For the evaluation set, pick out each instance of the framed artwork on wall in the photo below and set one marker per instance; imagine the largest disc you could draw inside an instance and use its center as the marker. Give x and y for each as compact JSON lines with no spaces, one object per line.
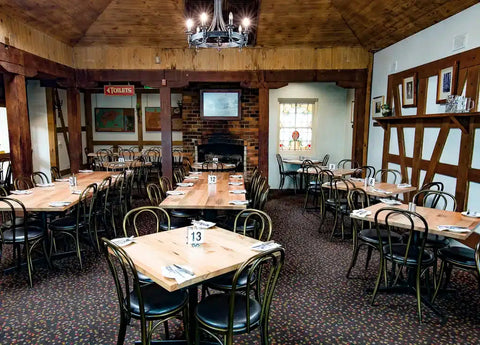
{"x":447,"y":83}
{"x":377,"y":105}
{"x":409,"y":91}
{"x":152,"y":119}
{"x":114,"y":120}
{"x":220,"y":104}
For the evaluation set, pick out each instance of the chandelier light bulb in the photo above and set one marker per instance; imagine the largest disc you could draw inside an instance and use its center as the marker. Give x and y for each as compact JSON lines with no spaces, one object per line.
{"x":240,"y":29}
{"x":189,"y":24}
{"x":203,"y":18}
{"x":246,"y":23}
{"x":230,"y":18}
{"x":198,"y":29}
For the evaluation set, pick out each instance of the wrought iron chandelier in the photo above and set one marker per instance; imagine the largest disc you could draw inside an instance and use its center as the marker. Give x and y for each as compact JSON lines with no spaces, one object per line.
{"x":218,"y":35}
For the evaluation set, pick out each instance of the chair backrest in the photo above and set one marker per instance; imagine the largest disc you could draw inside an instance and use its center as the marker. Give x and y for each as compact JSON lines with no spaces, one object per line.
{"x":103,"y":191}
{"x":177,"y":156}
{"x":39,"y":177}
{"x":86,"y":205}
{"x":165,"y":185}
{"x":212,"y":166}
{"x":280,"y":162}
{"x":187,"y":165}
{"x":341,"y":187}
{"x":259,"y":193}
{"x":477,"y":256}
{"x":357,"y":199}
{"x":154,"y":194}
{"x":15,"y":210}
{"x":325,"y":160}
{"x":365,"y":171}
{"x":347,"y":164}
{"x":55,"y":172}
{"x":104,"y":155}
{"x":435,"y":199}
{"x":22,"y":183}
{"x":146,"y":216}
{"x":5,"y":172}
{"x":262,"y":223}
{"x":125,"y":276}
{"x":127,"y":154}
{"x":3,"y":191}
{"x":388,"y":175}
{"x":178,"y":175}
{"x":433,"y":186}
{"x":265,"y":268}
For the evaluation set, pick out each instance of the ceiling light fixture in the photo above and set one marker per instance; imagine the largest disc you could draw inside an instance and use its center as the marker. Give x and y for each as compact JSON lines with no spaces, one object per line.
{"x":218,"y":35}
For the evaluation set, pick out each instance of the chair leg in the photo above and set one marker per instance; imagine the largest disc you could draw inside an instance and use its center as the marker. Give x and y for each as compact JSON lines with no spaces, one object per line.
{"x":439,"y":281}
{"x":418,"y":292}
{"x":167,"y":332}
{"x":354,"y":258}
{"x":122,"y":330}
{"x":79,"y":253}
{"x":369,"y":256}
{"x":334,"y":224}
{"x":377,"y":283}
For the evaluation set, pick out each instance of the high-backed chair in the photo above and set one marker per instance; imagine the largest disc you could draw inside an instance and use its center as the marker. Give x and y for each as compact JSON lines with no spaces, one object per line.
{"x":389,"y":175}
{"x":55,"y":172}
{"x":292,"y":174}
{"x":347,"y":164}
{"x":39,"y":177}
{"x":22,"y":183}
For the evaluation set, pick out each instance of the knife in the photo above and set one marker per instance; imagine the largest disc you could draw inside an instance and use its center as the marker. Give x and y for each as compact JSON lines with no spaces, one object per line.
{"x":184,"y":270}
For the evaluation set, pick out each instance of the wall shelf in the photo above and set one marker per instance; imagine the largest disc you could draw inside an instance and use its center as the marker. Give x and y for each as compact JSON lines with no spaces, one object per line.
{"x":460,"y":120}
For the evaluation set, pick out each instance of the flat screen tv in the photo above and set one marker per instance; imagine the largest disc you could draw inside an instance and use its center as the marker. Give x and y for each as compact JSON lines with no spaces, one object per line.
{"x":220,"y":104}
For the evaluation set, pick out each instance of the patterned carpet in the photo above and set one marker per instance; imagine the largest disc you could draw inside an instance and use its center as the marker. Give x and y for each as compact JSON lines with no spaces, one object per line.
{"x":314,"y":304}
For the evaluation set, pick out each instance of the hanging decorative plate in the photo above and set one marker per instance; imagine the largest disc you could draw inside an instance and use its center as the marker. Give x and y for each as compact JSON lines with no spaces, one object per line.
{"x":295,"y":135}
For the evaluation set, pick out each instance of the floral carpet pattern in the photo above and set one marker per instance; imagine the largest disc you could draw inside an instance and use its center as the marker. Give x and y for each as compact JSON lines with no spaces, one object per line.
{"x":314,"y":304}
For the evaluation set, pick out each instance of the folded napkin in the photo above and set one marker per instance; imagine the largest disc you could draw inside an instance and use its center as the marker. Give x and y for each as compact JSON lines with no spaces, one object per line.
{"x":473,"y":214}
{"x":77,"y":191}
{"x":228,"y":165}
{"x":238,"y":191}
{"x":236,"y":176}
{"x":358,"y":179}
{"x":180,"y":273}
{"x":238,"y":202}
{"x":203,"y":224}
{"x":45,"y":184}
{"x":195,"y":172}
{"x":361,"y":213}
{"x":264,"y":246}
{"x":191,"y":177}
{"x":404,"y":185}
{"x":62,"y":180}
{"x":390,"y":201}
{"x":21,"y":192}
{"x":123,"y":241}
{"x":85,"y":171}
{"x":59,"y":203}
{"x":235,"y":183}
{"x":381,"y":191}
{"x":183,"y":184}
{"x":453,"y":228}
{"x":175,"y":192}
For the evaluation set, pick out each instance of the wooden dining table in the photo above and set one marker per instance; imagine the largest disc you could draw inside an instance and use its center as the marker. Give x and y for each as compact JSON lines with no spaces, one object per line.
{"x":381,"y":189}
{"x":214,"y":166}
{"x":300,"y":161}
{"x":204,"y":195}
{"x":223,"y":251}
{"x":336,"y":172}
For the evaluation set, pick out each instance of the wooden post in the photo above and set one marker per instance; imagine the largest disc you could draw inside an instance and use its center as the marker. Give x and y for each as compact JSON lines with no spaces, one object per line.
{"x":52,"y":128}
{"x":87,"y":100}
{"x":166,"y":124}
{"x":18,"y":124}
{"x":74,"y":129}
{"x":263,"y":109}
{"x":360,"y":128}
{"x":139,"y":120}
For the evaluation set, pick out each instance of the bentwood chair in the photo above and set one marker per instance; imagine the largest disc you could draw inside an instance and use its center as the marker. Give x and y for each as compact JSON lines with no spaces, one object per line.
{"x":325,"y":160}
{"x":339,"y":203}
{"x":39,"y":177}
{"x":292,"y":174}
{"x":55,"y":172}
{"x":364,"y":235}
{"x":388,"y":175}
{"x":17,"y":230}
{"x":154,"y":194}
{"x":149,"y":303}
{"x":347,"y":164}
{"x":409,"y":255}
{"x":240,"y":311}
{"x":77,"y":223}
{"x":314,"y":187}
{"x":22,"y":183}
{"x":365,"y":171}
{"x":5,"y":173}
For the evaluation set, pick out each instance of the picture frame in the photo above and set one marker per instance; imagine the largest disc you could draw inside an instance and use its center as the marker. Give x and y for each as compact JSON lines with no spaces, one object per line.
{"x":377,"y":103}
{"x":446,"y":83}
{"x":220,"y":104}
{"x":114,"y":119}
{"x":409,"y":91}
{"x":152,"y":120}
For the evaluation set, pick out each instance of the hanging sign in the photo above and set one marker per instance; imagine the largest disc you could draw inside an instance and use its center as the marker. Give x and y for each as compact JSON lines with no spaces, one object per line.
{"x":119,"y":90}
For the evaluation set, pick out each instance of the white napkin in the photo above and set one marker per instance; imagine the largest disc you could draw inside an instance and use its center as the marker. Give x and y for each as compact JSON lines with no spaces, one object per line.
{"x":390,"y":201}
{"x":361,"y":213}
{"x":469,"y":213}
{"x":453,"y":228}
{"x":45,"y":184}
{"x":175,"y":192}
{"x":85,"y":171}
{"x":187,"y":184}
{"x":238,"y":202}
{"x":235,"y":183}
{"x":123,"y":241}
{"x":179,"y":274}
{"x":203,"y":224}
{"x":195,"y":172}
{"x":404,"y":185}
{"x":381,"y":191}
{"x":357,"y":179}
{"x":191,"y":178}
{"x":62,"y":180}
{"x":21,"y":192}
{"x":238,"y":191}
{"x":236,"y":176}
{"x":77,"y":191}
{"x":59,"y":203}
{"x":264,"y":246}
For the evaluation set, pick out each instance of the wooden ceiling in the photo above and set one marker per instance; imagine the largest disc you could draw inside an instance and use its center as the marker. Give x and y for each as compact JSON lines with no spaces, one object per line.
{"x":372,"y":24}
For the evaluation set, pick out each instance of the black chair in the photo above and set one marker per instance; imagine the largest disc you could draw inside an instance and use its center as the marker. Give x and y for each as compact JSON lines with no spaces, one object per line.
{"x":5,"y":173}
{"x":410,"y":255}
{"x":180,"y":217}
{"x":39,"y":177}
{"x":22,"y":183}
{"x":212,"y":166}
{"x":55,"y":172}
{"x":347,"y":164}
{"x":325,"y":159}
{"x":365,"y":171}
{"x":103,"y":211}
{"x":338,"y":203}
{"x":314,"y":187}
{"x":364,"y":235}
{"x":238,"y":311}
{"x":385,"y":174}
{"x":149,"y":303}
{"x":292,"y":174}
{"x":17,"y":230}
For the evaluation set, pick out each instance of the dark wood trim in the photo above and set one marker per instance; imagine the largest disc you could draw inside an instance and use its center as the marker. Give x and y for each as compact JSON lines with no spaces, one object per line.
{"x":65,"y":129}
{"x":4,"y":155}
{"x":87,"y":100}
{"x":139,"y":120}
{"x":52,"y":128}
{"x":166,"y":124}
{"x":132,"y":142}
{"x":360,"y":126}
{"x":263,"y":124}
{"x":74,"y":129}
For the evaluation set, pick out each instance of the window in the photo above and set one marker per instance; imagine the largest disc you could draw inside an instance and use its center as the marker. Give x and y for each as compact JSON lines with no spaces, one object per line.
{"x":296,"y":116}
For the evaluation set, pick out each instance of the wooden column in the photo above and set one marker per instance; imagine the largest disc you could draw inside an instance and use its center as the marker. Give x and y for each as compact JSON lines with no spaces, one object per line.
{"x":166,"y":124}
{"x":361,"y":120}
{"x":263,"y":108}
{"x":87,"y":100}
{"x":18,"y":124}
{"x":52,"y":128}
{"x":74,"y":129}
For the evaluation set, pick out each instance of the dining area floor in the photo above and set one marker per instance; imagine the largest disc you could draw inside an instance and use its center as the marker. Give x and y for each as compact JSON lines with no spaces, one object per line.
{"x":314,"y":302}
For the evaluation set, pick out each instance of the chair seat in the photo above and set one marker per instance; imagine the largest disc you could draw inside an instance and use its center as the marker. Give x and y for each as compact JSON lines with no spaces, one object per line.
{"x":399,"y":251}
{"x":290,"y":173}
{"x":371,"y":236}
{"x":19,"y":221}
{"x":65,"y":224}
{"x":183,"y":213}
{"x":175,"y":223}
{"x":33,"y":233}
{"x":458,"y":255}
{"x":214,"y":309}
{"x":224,"y":282}
{"x":436,"y":241}
{"x":230,"y":222}
{"x":143,"y":278}
{"x":157,"y":300}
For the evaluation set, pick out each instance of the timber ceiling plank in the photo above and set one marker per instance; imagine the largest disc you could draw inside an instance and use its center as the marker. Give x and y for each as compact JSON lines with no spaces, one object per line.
{"x":313,"y":23}
{"x":65,"y":20}
{"x":380,"y":23}
{"x":139,"y":23}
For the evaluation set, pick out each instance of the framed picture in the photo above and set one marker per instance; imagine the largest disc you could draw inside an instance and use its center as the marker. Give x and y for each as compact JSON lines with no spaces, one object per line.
{"x":220,"y":104}
{"x":447,"y":82}
{"x":377,"y":105}
{"x":152,"y":120}
{"x":114,"y":120}
{"x":409,"y":91}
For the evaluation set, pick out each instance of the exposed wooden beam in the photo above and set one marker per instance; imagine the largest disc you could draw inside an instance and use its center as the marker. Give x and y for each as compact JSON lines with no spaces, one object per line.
{"x":263,"y":110}
{"x":87,"y":99}
{"x":139,"y":121}
{"x":52,"y":128}
{"x":166,"y":124}
{"x":74,"y":129}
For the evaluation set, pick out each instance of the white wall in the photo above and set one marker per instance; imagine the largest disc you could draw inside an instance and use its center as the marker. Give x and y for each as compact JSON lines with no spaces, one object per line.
{"x":331,"y":123}
{"x":4,"y":141}
{"x":431,"y":44}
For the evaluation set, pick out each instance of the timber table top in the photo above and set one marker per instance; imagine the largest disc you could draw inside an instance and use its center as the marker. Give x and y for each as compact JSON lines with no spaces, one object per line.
{"x":41,"y":196}
{"x":207,"y":196}
{"x":433,"y":217}
{"x":123,"y":165}
{"x":223,"y":251}
{"x":300,"y":161}
{"x":336,"y":172}
{"x":381,"y":189}
{"x":226,"y":166}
